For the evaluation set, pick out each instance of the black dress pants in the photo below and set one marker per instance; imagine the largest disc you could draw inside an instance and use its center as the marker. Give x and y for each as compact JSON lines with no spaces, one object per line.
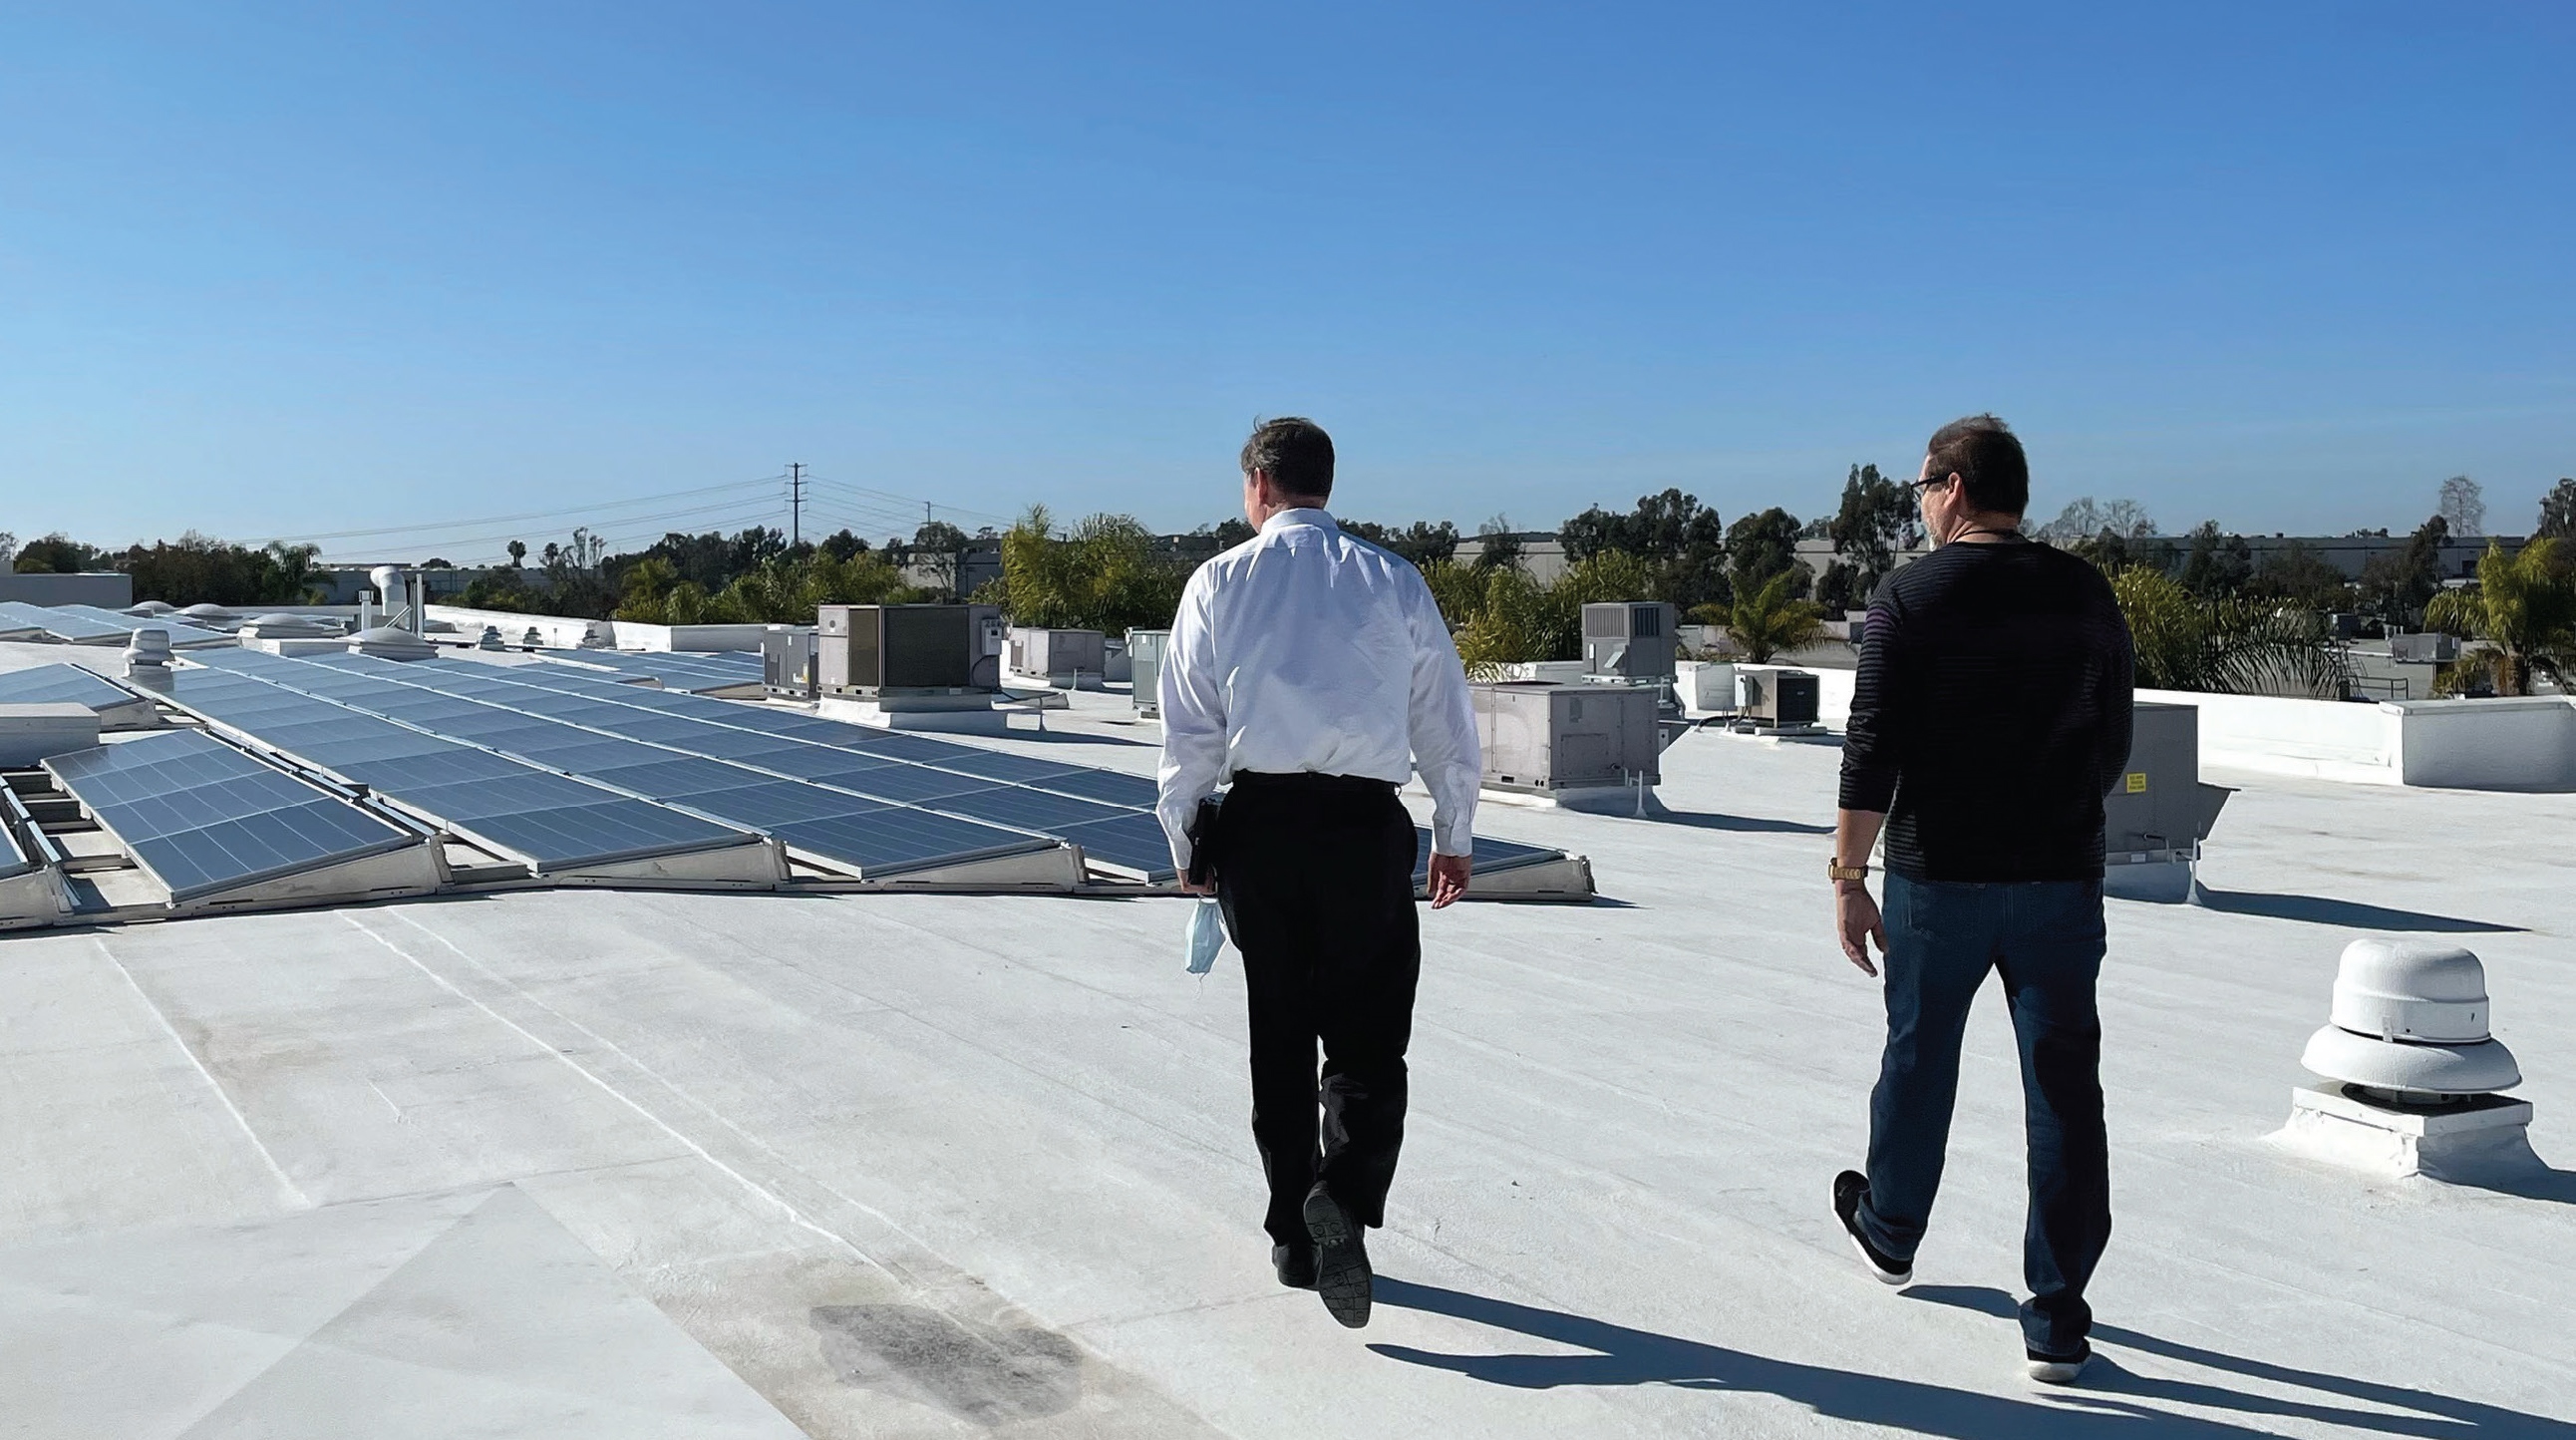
{"x":1316,"y":876}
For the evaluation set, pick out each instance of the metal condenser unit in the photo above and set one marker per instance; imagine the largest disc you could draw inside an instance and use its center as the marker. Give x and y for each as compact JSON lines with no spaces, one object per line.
{"x":1631,"y":639}
{"x":1546,"y":738}
{"x":1145,"y":650}
{"x":2159,"y":810}
{"x":870,"y":651}
{"x":787,"y":662}
{"x":1777,"y":697}
{"x":1059,"y":655}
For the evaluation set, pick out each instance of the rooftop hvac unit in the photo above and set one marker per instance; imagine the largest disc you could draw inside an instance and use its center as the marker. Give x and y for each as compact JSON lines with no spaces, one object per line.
{"x":1549,"y":738}
{"x":2159,"y":811}
{"x":2423,"y":649}
{"x":1062,"y":656}
{"x":1776,"y":696}
{"x":1630,"y":639}
{"x":1145,"y":651}
{"x":787,"y":662}
{"x":871,"y":651}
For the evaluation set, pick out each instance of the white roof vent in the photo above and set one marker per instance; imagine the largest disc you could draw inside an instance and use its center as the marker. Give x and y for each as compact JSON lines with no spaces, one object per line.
{"x":207,"y":612}
{"x":2410,"y":1022}
{"x":147,"y":647}
{"x":491,"y":638}
{"x":2413,"y":1071}
{"x":388,"y":642}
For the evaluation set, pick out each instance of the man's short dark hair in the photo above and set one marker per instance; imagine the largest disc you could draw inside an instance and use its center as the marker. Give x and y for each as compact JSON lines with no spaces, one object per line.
{"x":1295,"y":453}
{"x":1983,"y":453}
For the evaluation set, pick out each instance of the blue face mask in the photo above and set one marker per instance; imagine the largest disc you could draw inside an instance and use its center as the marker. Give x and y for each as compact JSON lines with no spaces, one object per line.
{"x":1206,"y":935}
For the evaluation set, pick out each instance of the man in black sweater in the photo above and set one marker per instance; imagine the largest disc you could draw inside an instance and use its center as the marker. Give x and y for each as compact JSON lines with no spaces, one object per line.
{"x":1990,"y":716}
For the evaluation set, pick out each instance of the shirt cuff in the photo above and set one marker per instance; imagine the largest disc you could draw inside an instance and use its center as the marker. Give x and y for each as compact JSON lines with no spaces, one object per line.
{"x":1453,"y":837}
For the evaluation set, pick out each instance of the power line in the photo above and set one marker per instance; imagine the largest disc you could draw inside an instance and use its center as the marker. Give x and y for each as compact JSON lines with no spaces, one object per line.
{"x":482,"y":520}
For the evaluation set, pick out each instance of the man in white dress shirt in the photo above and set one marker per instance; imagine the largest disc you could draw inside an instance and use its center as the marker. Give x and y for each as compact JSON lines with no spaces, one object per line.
{"x":1313,"y":672}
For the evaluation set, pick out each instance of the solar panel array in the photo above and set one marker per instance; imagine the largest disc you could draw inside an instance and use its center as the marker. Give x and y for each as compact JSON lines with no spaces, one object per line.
{"x":527,"y":710}
{"x":63,"y":685}
{"x":677,"y":669}
{"x":181,"y":631}
{"x":1106,"y":813}
{"x":724,"y":777}
{"x":76,"y":623}
{"x":204,"y":818}
{"x":556,"y":822}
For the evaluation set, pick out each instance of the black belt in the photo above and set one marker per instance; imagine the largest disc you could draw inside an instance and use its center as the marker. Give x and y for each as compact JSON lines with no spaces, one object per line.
{"x":1316,"y":781}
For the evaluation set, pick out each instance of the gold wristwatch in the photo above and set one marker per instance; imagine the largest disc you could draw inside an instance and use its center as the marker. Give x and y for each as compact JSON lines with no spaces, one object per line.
{"x":1837,"y":870}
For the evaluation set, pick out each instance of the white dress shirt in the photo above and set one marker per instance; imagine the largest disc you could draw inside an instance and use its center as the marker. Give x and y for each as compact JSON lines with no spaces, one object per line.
{"x":1305,"y":649}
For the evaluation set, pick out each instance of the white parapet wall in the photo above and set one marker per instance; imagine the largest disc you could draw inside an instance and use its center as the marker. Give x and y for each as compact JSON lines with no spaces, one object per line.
{"x":2516,"y":744}
{"x":559,"y":632}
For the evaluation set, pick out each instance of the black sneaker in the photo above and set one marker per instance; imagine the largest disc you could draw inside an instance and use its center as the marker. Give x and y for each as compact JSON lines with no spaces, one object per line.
{"x":1850,"y":1188}
{"x":2057,"y":1369}
{"x":1295,"y":1264}
{"x":1341,"y":1259}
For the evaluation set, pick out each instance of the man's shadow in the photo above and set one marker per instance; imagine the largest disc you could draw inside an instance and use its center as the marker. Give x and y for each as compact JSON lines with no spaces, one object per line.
{"x":2104,"y":1406}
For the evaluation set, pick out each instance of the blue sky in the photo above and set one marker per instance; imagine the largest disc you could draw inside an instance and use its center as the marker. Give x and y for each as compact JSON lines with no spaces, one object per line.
{"x":276,"y":271}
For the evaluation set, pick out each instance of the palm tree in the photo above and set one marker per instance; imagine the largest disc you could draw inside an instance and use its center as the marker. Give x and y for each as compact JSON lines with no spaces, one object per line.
{"x":1767,"y":622}
{"x":2524,"y":607}
{"x":2226,"y":644}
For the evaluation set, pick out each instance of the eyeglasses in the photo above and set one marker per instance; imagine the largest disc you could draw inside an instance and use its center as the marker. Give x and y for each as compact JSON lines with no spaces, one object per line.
{"x":1922,"y":484}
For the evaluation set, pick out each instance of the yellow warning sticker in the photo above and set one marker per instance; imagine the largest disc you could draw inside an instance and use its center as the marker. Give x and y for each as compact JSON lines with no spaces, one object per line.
{"x":2137,"y":782}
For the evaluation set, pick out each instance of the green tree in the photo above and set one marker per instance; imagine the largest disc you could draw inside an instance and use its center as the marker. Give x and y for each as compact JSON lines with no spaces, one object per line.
{"x":1865,"y":533}
{"x":1420,"y":542}
{"x":2558,"y":512}
{"x":2295,"y":574}
{"x":2397,"y":585}
{"x":1514,"y":619}
{"x":1500,"y":544}
{"x":518,"y":553}
{"x":59,"y":554}
{"x":2524,"y":607}
{"x":1770,"y":621}
{"x":2216,"y":563}
{"x":2226,"y":643}
{"x":941,"y":549}
{"x":1761,"y":546}
{"x":1108,"y":574}
{"x":1682,"y":541}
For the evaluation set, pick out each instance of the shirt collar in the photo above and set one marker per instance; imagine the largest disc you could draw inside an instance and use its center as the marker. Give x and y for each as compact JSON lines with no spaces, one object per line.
{"x":1320,"y":519}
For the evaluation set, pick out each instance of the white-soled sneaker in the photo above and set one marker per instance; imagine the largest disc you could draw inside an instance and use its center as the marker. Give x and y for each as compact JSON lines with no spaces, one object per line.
{"x":2056,"y":1369}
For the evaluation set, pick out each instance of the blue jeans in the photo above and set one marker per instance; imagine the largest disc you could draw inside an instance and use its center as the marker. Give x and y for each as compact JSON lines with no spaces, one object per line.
{"x":2045,"y":938}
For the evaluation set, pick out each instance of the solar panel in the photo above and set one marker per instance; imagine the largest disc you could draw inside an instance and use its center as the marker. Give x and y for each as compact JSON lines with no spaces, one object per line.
{"x":73,"y":628}
{"x":557,"y":822}
{"x":77,"y":623}
{"x":675,"y":669}
{"x":204,"y":818}
{"x":63,"y":685}
{"x":180,"y":631}
{"x":14,"y":859}
{"x":873,"y":833}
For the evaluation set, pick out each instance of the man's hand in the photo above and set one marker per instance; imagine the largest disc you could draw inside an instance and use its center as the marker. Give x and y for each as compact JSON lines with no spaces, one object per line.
{"x":1448,"y":879}
{"x":1203,"y":887}
{"x":1856,"y":921}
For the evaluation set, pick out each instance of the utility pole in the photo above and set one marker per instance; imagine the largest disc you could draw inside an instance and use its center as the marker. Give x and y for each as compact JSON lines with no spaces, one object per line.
{"x":795,"y":503}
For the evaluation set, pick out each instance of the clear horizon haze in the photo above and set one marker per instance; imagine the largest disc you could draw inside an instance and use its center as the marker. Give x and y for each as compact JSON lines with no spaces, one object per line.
{"x":415,"y":283}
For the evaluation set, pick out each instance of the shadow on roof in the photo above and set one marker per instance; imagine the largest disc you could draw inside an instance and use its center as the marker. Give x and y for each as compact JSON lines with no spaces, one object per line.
{"x":1622,"y":1356}
{"x":2427,"y":1414}
{"x":1743,"y":824}
{"x":2350,"y":914}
